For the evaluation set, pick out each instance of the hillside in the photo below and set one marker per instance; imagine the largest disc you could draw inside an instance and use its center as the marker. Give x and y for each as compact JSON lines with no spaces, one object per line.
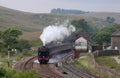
{"x":31,"y":22}
{"x":103,"y":15}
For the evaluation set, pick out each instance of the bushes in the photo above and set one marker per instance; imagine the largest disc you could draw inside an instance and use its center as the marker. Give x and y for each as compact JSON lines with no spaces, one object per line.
{"x":2,"y":72}
{"x":26,"y":74}
{"x":21,"y":45}
{"x":13,"y":74}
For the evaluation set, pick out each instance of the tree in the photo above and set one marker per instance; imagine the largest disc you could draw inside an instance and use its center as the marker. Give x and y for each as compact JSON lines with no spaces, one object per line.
{"x":22,"y":44}
{"x":110,"y":20}
{"x":104,"y":35}
{"x":81,"y":25}
{"x":10,"y":36}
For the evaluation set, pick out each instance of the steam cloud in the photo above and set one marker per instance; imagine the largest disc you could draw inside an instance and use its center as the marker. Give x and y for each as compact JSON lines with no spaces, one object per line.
{"x":56,"y":33}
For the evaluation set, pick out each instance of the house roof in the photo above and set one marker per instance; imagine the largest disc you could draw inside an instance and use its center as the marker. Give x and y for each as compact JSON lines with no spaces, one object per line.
{"x":116,"y":33}
{"x":80,"y":37}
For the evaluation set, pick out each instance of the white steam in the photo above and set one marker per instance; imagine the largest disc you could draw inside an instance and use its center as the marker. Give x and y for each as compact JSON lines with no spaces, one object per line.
{"x":56,"y":33}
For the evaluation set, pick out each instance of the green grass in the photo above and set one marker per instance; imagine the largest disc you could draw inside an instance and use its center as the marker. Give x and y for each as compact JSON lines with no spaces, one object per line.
{"x":119,"y":57}
{"x":14,"y":74}
{"x":36,"y":42}
{"x":86,"y":63}
{"x":18,"y":57}
{"x":29,"y":29}
{"x":108,"y":61}
{"x":9,"y":73}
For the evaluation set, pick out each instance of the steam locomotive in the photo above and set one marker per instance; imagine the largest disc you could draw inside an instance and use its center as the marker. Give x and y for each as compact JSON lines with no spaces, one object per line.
{"x":45,"y":52}
{"x":43,"y":55}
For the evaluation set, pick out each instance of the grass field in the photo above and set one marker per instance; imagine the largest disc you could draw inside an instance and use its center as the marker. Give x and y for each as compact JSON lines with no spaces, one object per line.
{"x":31,"y":36}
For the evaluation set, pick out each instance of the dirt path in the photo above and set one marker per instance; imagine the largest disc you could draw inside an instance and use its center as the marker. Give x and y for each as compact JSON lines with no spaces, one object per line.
{"x":116,"y":59}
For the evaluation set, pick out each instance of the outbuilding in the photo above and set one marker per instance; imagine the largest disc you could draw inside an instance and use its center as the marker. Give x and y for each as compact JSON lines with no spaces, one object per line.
{"x":115,"y":40}
{"x":80,"y":45}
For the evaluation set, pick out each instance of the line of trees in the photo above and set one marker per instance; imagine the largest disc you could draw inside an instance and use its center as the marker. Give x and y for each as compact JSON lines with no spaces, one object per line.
{"x":65,"y":11}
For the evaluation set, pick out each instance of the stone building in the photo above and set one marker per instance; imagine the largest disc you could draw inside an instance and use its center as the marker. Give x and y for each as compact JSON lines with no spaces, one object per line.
{"x":115,"y":40}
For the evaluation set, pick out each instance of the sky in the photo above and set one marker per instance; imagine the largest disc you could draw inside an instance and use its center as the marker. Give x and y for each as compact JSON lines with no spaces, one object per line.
{"x":44,"y":6}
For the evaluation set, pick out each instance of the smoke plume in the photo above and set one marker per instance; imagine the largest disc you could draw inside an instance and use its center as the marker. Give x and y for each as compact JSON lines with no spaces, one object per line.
{"x":56,"y":33}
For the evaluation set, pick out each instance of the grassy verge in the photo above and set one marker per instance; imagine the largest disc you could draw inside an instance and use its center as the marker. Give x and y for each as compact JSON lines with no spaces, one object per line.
{"x":108,"y":61}
{"x":9,"y":73}
{"x":19,"y":56}
{"x":86,"y":63}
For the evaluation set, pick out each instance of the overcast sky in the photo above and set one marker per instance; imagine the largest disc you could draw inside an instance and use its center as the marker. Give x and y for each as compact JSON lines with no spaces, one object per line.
{"x":44,"y":6}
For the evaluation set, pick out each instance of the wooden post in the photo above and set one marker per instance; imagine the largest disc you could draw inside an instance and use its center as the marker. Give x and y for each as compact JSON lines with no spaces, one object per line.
{"x":77,"y":54}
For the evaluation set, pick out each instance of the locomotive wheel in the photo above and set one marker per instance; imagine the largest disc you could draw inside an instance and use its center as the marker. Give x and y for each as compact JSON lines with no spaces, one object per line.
{"x":46,"y":62}
{"x":41,"y":62}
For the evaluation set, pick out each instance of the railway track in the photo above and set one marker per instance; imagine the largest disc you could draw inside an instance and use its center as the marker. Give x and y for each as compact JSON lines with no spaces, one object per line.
{"x":25,"y":64}
{"x":78,"y":72}
{"x":29,"y":63}
{"x":45,"y":71}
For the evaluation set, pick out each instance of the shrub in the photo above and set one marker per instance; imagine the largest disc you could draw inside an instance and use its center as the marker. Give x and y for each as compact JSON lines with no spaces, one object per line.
{"x":2,"y":73}
{"x":26,"y":74}
{"x":13,"y":74}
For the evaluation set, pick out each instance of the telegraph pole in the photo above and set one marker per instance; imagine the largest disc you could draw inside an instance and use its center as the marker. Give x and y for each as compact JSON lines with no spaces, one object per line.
{"x":9,"y":49}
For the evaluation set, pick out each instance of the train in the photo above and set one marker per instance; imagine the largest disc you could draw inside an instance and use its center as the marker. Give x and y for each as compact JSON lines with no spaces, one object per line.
{"x":46,"y":52}
{"x":43,"y":55}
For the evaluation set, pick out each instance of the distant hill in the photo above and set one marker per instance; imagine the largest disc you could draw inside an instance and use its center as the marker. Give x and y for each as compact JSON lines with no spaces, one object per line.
{"x":66,"y":11}
{"x":35,"y":22}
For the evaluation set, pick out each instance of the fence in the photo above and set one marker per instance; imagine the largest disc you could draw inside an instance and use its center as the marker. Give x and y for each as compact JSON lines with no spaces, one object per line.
{"x":106,"y":52}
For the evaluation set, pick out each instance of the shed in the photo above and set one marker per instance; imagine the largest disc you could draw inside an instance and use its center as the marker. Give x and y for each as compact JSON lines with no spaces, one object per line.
{"x":80,"y":45}
{"x":115,"y":40}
